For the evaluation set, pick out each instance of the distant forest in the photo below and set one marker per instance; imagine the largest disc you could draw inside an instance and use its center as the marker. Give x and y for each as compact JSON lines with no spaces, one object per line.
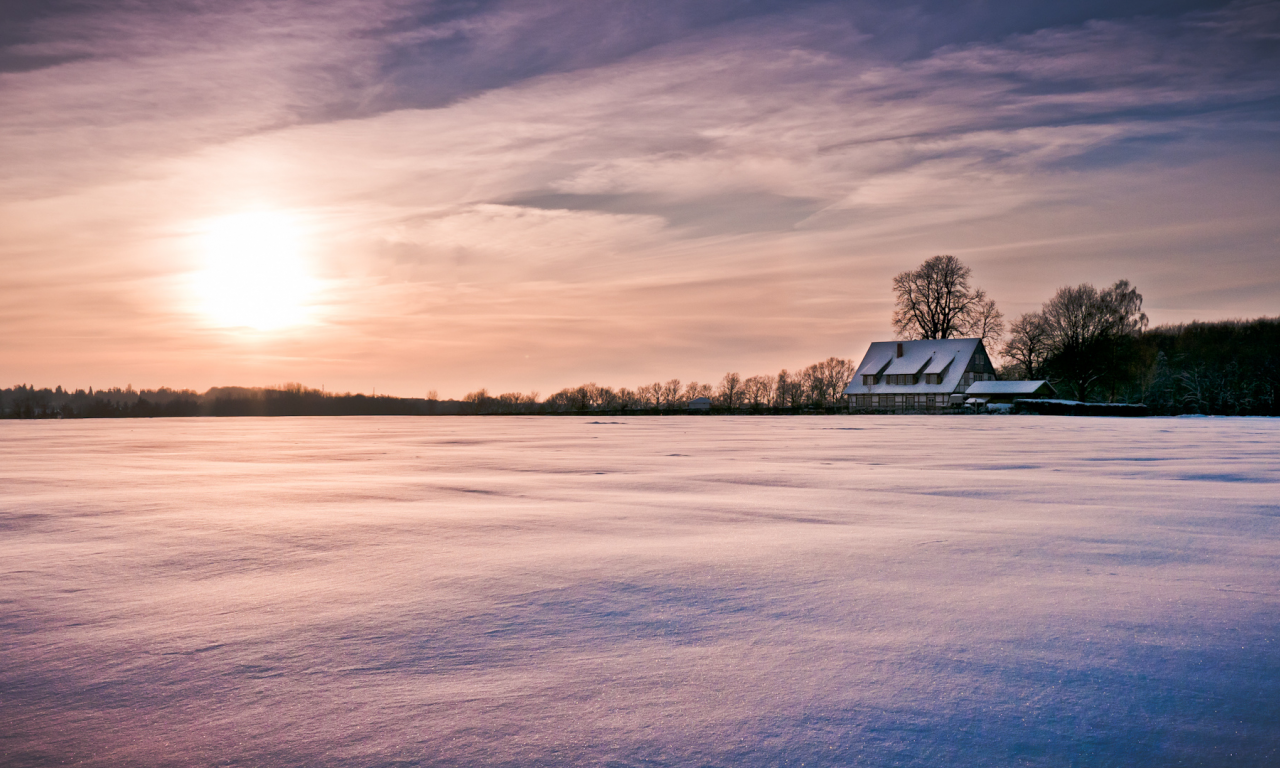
{"x":23,"y":402}
{"x":816,"y":388}
{"x":1225,"y":368}
{"x":1229,"y":368}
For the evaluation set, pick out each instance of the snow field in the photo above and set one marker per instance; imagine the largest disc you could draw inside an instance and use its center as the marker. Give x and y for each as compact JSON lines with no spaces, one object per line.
{"x":640,"y":591}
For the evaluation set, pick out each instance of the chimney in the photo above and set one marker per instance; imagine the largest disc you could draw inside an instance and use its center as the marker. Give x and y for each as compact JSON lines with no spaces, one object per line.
{"x":899,"y":349}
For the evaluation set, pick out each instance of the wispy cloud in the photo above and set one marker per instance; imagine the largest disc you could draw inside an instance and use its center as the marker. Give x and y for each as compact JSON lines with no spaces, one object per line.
{"x":714,"y":189}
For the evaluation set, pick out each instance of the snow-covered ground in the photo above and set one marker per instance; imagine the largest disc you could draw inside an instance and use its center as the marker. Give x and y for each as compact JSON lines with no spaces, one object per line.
{"x":684,"y":591}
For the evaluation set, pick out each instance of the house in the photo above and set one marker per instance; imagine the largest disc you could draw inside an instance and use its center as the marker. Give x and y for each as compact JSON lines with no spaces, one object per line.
{"x":700,"y":404}
{"x":1005,"y":392}
{"x":929,"y":375}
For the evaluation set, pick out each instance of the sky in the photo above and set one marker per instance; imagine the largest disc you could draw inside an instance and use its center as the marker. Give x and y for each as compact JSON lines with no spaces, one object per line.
{"x":411,"y":196}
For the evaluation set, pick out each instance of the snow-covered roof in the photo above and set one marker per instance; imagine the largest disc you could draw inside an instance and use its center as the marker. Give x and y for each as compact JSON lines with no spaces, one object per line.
{"x":918,"y":357}
{"x":1006,"y":387}
{"x":939,"y":364}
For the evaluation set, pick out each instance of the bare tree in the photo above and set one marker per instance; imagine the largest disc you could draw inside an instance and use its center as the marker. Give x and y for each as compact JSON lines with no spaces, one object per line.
{"x":987,"y":323}
{"x":671,"y":394}
{"x":823,"y":383}
{"x":789,"y":391}
{"x":586,"y":396}
{"x":604,"y":398}
{"x":935,"y":301}
{"x":812,"y":391}
{"x":730,"y":390}
{"x":1029,"y":345}
{"x":477,"y":402}
{"x":515,"y":402}
{"x":628,"y":399}
{"x":757,"y":391}
{"x":1077,"y":317}
{"x":695,"y":390}
{"x":558,"y":402}
{"x":829,"y":378}
{"x":1125,"y":304}
{"x":1085,"y":328}
{"x":650,"y":395}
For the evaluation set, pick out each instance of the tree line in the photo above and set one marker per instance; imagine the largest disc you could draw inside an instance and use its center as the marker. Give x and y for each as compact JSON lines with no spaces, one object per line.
{"x":815,"y":388}
{"x":818,"y":387}
{"x":1086,"y":343}
{"x":1095,"y":345}
{"x":26,"y":402}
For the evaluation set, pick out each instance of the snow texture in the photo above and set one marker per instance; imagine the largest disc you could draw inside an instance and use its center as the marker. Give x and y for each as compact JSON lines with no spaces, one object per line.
{"x":674,"y":591}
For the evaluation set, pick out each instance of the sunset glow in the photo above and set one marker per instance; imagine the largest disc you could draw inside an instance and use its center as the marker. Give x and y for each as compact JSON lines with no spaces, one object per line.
{"x":255,"y":274}
{"x":533,"y":194}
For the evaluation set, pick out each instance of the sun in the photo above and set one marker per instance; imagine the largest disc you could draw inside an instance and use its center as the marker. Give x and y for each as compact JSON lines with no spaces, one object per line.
{"x":254,"y":272}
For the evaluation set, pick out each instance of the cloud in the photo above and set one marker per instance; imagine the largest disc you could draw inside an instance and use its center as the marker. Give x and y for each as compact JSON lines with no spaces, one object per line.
{"x":711,"y":188}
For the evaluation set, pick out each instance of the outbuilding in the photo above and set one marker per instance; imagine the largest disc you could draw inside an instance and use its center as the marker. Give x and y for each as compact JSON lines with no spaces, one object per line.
{"x":700,"y":404}
{"x":1005,"y":392}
